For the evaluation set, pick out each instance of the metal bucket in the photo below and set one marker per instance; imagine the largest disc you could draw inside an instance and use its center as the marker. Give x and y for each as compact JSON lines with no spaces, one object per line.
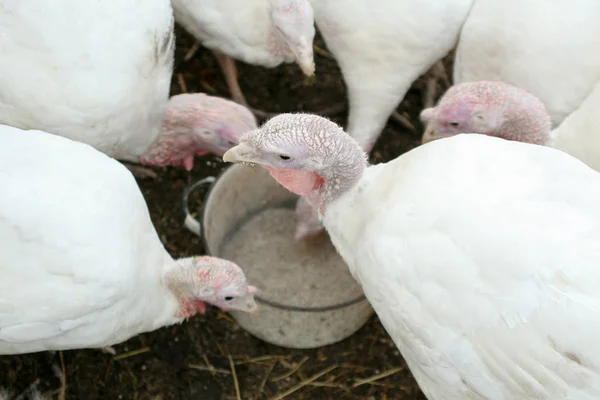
{"x":241,"y":193}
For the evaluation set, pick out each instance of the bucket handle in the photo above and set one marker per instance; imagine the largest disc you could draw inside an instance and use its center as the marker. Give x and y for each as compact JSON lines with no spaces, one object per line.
{"x":189,"y":221}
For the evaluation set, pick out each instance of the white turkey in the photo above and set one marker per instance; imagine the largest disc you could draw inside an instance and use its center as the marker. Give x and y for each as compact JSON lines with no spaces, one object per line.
{"x":383,"y":48}
{"x":82,"y":265}
{"x":484,"y":107}
{"x":480,"y":255}
{"x":260,"y":32}
{"x":549,"y":49}
{"x":99,"y":72}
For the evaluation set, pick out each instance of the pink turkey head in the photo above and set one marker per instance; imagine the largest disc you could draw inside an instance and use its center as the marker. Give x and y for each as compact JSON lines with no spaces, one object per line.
{"x":197,"y":124}
{"x":307,"y":154}
{"x":490,"y":108}
{"x":212,"y":280}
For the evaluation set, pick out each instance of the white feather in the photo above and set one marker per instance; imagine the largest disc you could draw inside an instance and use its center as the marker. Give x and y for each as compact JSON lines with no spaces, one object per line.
{"x":480,"y":256}
{"x":94,"y":71}
{"x":382,"y":48}
{"x":240,"y":29}
{"x":547,"y":48}
{"x":82,"y":265}
{"x":579,"y":133}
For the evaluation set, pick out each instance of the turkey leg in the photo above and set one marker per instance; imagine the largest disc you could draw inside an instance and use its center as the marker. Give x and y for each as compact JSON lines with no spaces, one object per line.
{"x":140,"y":172}
{"x":438,"y":73}
{"x":227,"y":65}
{"x":231,"y":77}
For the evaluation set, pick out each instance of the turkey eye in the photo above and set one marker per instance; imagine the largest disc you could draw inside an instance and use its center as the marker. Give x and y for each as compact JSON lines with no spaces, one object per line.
{"x":454,"y":124}
{"x":284,"y":157}
{"x":229,"y":298}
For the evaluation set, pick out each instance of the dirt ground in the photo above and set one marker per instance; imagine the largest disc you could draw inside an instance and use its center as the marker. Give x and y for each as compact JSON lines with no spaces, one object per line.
{"x":175,"y":362}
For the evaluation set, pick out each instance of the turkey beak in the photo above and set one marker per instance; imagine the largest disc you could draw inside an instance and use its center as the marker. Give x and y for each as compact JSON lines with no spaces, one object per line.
{"x":308,"y":67}
{"x":252,"y":308}
{"x":242,"y":153}
{"x":304,"y":57}
{"x":303,"y":53}
{"x":429,"y":134}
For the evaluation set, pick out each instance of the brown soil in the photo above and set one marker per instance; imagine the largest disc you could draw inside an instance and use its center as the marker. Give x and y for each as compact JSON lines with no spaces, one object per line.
{"x":163,"y":367}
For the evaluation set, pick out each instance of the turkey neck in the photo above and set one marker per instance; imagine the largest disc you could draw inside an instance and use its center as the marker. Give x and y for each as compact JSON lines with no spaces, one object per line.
{"x":348,"y":162}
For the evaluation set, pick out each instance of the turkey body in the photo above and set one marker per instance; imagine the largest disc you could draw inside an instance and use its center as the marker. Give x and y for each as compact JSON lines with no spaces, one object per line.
{"x":82,"y":265}
{"x":480,"y":257}
{"x":240,"y":29}
{"x":382,"y":48}
{"x":98,"y":72}
{"x":548,"y":49}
